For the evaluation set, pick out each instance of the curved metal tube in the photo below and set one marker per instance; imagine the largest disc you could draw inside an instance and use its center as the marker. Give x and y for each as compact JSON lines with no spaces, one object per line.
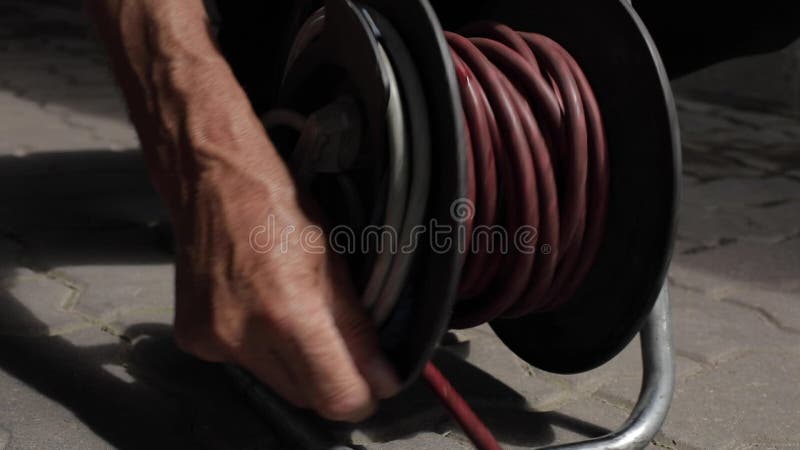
{"x":658,"y":382}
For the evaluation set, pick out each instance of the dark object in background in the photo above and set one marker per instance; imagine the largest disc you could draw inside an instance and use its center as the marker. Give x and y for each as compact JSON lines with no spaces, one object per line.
{"x":690,"y":34}
{"x":693,"y":34}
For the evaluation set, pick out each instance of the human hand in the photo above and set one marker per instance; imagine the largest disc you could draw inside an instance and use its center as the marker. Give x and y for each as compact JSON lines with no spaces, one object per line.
{"x":288,"y":315}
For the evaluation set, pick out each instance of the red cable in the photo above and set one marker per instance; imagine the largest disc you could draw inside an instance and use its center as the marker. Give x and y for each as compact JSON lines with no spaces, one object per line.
{"x":470,"y":423}
{"x":537,"y":161}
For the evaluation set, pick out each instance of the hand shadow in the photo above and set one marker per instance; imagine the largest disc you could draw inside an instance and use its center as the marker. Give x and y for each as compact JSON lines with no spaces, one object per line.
{"x":166,"y":400}
{"x":504,"y":411}
{"x":137,"y":390}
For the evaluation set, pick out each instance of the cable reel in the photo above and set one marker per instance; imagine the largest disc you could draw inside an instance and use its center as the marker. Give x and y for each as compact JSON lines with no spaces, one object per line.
{"x":372,"y":121}
{"x":349,"y":54}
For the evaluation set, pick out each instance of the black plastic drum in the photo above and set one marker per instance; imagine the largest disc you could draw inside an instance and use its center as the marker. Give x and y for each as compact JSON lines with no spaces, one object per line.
{"x":612,"y":46}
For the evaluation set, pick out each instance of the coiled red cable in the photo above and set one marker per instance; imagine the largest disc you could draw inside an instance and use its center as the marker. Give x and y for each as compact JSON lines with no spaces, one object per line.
{"x":538,"y":163}
{"x":537,"y":167}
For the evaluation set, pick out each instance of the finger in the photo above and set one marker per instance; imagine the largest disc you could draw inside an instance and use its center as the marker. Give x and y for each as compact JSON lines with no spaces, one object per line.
{"x":334,"y":386}
{"x":360,"y":338}
{"x":269,"y":367}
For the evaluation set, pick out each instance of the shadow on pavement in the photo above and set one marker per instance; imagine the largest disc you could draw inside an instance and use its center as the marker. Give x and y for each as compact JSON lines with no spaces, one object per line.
{"x":505,"y":412}
{"x":135,"y":390}
{"x":168,"y":400}
{"x":73,"y":207}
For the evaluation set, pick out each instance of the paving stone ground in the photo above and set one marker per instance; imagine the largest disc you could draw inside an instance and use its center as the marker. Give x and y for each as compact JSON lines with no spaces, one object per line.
{"x":86,"y":355}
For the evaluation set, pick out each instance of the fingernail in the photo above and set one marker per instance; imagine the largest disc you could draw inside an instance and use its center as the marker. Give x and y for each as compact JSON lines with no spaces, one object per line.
{"x":382,"y":378}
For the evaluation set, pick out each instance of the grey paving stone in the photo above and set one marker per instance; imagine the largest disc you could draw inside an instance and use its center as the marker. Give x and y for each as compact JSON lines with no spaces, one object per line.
{"x":719,"y":141}
{"x":741,"y":193}
{"x":581,"y":419}
{"x":711,"y":226}
{"x":93,"y":390}
{"x":506,"y":393}
{"x":741,"y":402}
{"x":28,"y":412}
{"x":5,"y":438}
{"x":124,"y":318}
{"x":121,"y":273}
{"x":623,"y":382}
{"x":775,"y":127}
{"x":775,"y":306}
{"x":104,"y":104}
{"x":699,"y":119}
{"x":623,"y":371}
{"x":25,"y":128}
{"x":114,"y":292}
{"x":592,"y":417}
{"x":772,"y":267}
{"x":689,"y":180}
{"x":778,"y":308}
{"x":707,"y":165}
{"x":711,"y":331}
{"x":421,"y":441}
{"x":769,"y":445}
{"x":36,"y":305}
{"x":112,"y":133}
{"x":756,"y":162}
{"x":684,"y":244}
{"x":486,"y":351}
{"x":585,"y":418}
{"x":751,"y":131}
{"x":781,"y":218}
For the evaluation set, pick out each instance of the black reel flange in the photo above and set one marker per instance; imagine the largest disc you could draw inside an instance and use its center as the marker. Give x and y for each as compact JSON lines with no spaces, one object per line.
{"x":374,"y":59}
{"x":385,"y":66}
{"x":618,"y":56}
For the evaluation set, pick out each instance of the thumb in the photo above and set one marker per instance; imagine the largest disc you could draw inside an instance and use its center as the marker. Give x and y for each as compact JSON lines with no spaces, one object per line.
{"x":360,"y":337}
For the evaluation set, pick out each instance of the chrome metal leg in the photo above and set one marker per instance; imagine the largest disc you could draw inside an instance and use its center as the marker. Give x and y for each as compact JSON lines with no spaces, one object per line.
{"x":658,"y":382}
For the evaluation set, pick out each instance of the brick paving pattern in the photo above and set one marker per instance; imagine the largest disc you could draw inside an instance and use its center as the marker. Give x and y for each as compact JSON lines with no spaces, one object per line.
{"x":86,"y":357}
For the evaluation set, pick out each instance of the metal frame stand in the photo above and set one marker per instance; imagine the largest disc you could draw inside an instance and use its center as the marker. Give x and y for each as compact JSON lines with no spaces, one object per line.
{"x":658,"y":382}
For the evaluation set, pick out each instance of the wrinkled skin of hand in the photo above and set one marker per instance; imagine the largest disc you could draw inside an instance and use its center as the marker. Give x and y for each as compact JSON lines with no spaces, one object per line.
{"x":288,"y":315}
